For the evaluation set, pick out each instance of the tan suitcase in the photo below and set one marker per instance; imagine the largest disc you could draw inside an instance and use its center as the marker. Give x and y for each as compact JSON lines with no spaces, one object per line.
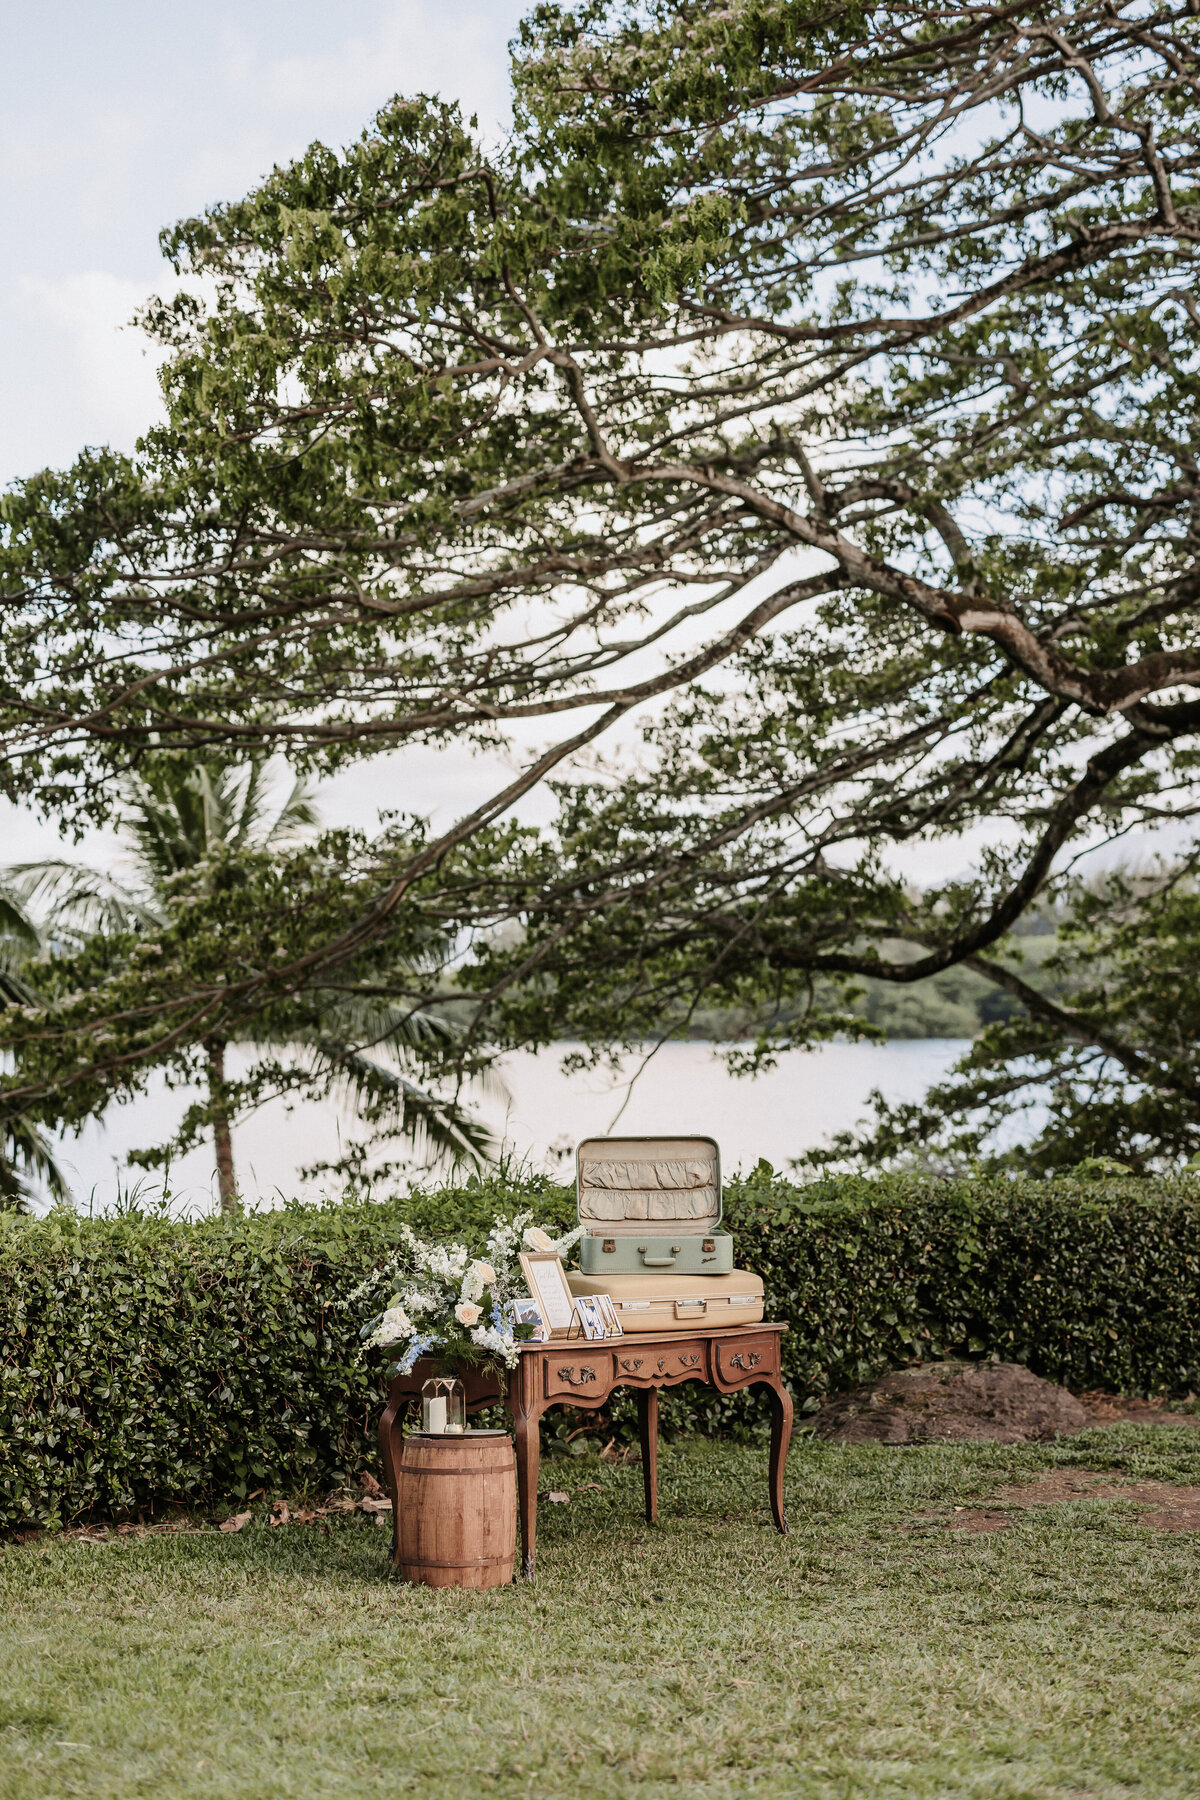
{"x":677,"y":1302}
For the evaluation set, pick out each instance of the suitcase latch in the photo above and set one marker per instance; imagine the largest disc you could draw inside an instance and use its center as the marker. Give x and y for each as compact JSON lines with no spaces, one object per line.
{"x":709,"y":1244}
{"x":609,"y":1246}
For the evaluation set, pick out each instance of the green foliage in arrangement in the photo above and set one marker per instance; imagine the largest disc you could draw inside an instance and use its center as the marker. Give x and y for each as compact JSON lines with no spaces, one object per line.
{"x":145,"y":1362}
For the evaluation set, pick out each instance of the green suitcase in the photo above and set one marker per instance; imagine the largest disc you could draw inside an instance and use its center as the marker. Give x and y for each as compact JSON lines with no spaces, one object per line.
{"x":651,"y":1205}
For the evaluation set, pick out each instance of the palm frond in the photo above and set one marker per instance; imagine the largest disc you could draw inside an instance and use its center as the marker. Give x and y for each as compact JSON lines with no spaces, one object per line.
{"x":15,"y":923}
{"x":385,"y":1097}
{"x":372,"y":1023}
{"x":14,"y":989}
{"x":77,"y":901}
{"x":295,"y":819}
{"x":26,"y":1159}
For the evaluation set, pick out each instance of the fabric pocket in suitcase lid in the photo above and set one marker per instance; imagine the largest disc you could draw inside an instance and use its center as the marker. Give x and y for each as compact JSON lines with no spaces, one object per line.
{"x":624,"y":1184}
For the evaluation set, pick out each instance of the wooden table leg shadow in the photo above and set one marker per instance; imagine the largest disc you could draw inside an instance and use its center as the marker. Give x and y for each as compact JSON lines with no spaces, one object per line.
{"x":575,"y":1372}
{"x":647,"y":1403}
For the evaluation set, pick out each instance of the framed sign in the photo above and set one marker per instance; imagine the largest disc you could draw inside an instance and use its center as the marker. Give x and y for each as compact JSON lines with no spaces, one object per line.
{"x":548,"y":1286}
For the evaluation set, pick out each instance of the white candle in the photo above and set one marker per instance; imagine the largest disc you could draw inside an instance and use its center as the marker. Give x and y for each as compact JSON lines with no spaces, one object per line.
{"x":437,"y":1414}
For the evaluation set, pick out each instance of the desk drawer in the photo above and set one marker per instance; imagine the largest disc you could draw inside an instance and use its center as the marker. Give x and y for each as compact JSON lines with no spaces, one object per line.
{"x":652,"y":1364}
{"x":582,"y":1371}
{"x":741,"y":1359}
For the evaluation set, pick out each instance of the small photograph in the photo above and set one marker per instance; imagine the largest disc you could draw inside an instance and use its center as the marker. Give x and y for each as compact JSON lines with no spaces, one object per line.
{"x":609,"y":1314}
{"x":591,"y":1317}
{"x":527,"y":1312}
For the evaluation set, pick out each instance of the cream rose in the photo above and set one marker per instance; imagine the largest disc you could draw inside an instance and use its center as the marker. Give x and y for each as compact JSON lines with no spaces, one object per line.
{"x":537,"y":1239}
{"x":483,"y":1273}
{"x":467,"y":1313}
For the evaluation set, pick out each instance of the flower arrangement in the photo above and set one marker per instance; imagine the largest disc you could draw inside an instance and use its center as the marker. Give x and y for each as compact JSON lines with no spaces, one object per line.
{"x":444,"y":1302}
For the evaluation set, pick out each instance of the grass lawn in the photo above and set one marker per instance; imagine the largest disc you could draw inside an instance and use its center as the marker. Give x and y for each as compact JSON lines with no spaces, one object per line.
{"x":876,"y":1651}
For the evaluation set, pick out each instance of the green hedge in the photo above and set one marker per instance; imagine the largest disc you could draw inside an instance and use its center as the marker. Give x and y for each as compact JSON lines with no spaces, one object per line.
{"x":146,"y":1363}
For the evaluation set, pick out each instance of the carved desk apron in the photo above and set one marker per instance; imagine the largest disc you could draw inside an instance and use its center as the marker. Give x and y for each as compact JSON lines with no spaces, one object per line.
{"x":576,"y":1372}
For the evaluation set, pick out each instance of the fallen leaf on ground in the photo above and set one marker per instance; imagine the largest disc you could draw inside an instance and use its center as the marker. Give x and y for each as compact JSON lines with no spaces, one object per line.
{"x":376,"y":1506}
{"x":368,"y":1484}
{"x":557,"y":1499}
{"x":236,"y":1522}
{"x":594,"y":1487}
{"x":279,"y":1513}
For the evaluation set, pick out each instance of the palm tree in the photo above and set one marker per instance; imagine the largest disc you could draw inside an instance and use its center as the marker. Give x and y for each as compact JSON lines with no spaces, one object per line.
{"x":177,"y":820}
{"x":26,"y":1155}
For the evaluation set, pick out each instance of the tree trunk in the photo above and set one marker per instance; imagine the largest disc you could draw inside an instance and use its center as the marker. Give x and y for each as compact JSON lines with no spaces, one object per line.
{"x":222,"y":1141}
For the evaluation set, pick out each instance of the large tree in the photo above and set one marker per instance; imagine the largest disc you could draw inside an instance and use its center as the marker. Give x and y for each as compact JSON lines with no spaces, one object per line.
{"x":815,"y":386}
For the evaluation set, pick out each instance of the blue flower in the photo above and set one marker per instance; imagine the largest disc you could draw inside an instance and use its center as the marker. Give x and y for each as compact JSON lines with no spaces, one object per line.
{"x":417,"y":1347}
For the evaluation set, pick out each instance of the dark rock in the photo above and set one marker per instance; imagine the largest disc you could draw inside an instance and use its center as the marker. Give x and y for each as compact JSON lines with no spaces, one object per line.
{"x":952,"y":1403}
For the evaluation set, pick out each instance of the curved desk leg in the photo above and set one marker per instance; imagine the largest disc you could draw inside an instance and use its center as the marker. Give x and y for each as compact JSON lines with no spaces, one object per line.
{"x":391,"y":1435}
{"x":647,"y":1402}
{"x":781,"y":1437}
{"x":527,"y":1446}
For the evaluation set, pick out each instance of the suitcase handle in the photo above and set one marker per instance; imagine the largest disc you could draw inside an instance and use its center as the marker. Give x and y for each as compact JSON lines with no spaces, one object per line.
{"x":659,"y":1262}
{"x":687,"y":1309}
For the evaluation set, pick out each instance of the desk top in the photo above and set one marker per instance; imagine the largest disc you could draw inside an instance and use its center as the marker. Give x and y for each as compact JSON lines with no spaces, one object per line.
{"x":641,"y":1338}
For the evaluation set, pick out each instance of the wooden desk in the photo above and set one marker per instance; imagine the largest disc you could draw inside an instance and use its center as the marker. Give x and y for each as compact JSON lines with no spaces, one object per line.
{"x":576,"y":1372}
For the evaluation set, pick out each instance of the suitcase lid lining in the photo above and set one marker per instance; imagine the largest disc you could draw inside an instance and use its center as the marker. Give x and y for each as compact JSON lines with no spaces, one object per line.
{"x":627,"y":1186}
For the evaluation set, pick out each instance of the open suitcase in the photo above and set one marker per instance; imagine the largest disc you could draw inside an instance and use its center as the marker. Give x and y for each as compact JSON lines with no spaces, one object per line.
{"x":651,"y":1204}
{"x":676,"y":1302}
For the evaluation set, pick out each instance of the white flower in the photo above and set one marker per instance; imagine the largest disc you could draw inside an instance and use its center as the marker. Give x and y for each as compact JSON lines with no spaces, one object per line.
{"x":467,"y":1313}
{"x":479,"y":1276}
{"x":537,"y":1239}
{"x":394,"y":1325}
{"x":500,"y":1343}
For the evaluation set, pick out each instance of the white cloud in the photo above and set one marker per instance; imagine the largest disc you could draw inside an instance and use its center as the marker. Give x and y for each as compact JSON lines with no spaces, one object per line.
{"x":413,"y":48}
{"x":113,"y":367}
{"x":99,"y":149}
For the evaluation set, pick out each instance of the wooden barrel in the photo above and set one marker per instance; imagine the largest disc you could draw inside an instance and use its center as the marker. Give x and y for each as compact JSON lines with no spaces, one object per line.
{"x":458,"y":1509}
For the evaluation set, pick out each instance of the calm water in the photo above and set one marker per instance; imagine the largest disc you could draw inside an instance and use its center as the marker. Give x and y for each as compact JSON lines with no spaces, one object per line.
{"x":681,"y":1088}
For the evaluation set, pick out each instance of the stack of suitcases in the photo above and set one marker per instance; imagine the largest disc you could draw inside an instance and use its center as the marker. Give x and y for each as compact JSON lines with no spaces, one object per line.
{"x":651,"y":1215}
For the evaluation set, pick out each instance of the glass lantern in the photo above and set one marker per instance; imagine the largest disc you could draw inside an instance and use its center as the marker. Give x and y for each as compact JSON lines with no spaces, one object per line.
{"x":443,"y":1406}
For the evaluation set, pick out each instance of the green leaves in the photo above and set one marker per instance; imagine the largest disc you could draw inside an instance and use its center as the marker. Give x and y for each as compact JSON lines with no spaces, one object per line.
{"x":816,"y":388}
{"x":146,"y":1363}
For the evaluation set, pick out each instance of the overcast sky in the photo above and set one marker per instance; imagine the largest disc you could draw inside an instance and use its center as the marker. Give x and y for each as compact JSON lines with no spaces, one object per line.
{"x":116,"y":120}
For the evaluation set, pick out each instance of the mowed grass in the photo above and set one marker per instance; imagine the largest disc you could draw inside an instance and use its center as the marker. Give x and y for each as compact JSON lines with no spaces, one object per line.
{"x":875,"y":1651}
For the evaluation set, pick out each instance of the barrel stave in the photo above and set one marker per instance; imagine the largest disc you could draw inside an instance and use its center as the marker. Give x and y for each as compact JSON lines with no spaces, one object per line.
{"x":457,"y":1510}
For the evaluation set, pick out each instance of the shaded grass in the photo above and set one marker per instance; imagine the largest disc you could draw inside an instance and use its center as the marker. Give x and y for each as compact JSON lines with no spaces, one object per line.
{"x":873,"y":1652}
